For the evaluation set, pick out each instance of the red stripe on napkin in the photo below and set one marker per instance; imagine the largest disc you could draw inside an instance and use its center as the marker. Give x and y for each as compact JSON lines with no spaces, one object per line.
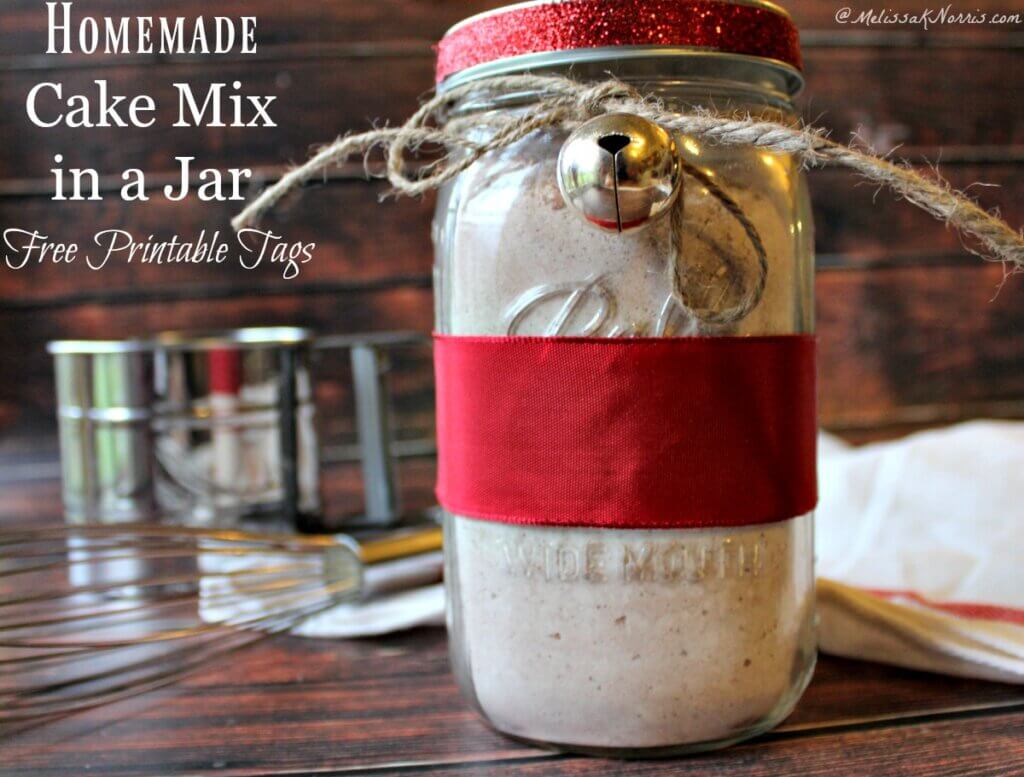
{"x":988,"y":612}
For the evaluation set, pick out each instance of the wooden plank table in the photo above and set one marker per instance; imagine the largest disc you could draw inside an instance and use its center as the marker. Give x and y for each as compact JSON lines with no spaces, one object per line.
{"x":388,"y":706}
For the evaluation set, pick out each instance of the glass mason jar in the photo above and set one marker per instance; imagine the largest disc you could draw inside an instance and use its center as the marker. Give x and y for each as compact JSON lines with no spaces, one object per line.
{"x":628,"y":641}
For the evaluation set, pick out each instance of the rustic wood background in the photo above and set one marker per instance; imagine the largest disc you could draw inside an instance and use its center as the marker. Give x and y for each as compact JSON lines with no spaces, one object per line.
{"x":912,"y":329}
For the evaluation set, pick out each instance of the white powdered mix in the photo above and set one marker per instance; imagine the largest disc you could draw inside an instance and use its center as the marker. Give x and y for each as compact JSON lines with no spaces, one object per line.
{"x":610,"y":638}
{"x":631,"y":638}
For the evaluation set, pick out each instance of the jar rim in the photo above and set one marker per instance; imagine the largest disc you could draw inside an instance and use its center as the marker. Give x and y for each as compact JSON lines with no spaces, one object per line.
{"x":757,"y":72}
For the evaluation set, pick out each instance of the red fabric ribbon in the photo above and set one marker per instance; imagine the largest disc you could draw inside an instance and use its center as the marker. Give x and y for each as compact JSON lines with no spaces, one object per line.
{"x":626,"y":432}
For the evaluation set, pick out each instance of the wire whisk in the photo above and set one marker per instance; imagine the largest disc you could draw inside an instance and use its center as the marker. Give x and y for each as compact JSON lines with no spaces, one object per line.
{"x":93,"y":614}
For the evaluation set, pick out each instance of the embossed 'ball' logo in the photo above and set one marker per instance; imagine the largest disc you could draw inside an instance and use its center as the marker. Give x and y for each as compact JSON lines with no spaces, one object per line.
{"x":588,"y":309}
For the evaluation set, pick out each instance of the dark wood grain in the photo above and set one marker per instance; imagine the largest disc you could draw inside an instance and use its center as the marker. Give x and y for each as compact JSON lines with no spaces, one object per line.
{"x":906,"y":345}
{"x":912,"y":334}
{"x":23,"y":335}
{"x":898,"y":342}
{"x":856,"y":223}
{"x":316,"y":100}
{"x":31,"y":491}
{"x":389,"y":706}
{"x":849,"y":90}
{"x":293,"y":705}
{"x":339,"y":65}
{"x":929,"y":749}
{"x":813,"y":15}
{"x":331,"y":703}
{"x":320,"y":21}
{"x":362,"y":241}
{"x":359,"y":242}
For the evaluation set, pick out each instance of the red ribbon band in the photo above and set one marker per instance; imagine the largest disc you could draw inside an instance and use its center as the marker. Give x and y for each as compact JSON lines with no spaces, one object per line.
{"x":626,"y":432}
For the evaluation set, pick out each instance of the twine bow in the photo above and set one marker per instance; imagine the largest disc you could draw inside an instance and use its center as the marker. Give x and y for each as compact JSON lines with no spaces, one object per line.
{"x":565,"y":103}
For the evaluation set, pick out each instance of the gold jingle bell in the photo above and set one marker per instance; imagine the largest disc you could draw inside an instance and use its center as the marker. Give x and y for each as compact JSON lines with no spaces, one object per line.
{"x":619,"y":171}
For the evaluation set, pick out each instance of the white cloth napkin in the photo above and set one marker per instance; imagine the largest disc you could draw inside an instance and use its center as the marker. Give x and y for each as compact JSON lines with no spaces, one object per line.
{"x":393,"y":596}
{"x":920,"y":557}
{"x":381,"y":615}
{"x":920,"y":550}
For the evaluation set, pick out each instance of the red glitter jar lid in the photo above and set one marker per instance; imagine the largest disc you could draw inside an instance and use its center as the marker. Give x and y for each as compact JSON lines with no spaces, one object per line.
{"x":528,"y":34}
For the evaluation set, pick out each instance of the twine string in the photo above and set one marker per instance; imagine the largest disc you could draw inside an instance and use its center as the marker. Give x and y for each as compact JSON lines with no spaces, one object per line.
{"x":712,"y":315}
{"x":565,"y":103}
